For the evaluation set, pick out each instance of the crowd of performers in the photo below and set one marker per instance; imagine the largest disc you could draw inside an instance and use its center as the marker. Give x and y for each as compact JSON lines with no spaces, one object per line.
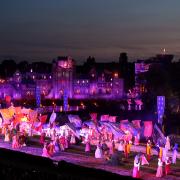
{"x":18,"y":138}
{"x":60,"y":142}
{"x":163,"y":159}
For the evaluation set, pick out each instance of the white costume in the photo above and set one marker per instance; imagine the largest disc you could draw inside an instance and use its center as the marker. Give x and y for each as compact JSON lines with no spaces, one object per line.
{"x":167,"y":145}
{"x":98,"y":152}
{"x":121,"y":146}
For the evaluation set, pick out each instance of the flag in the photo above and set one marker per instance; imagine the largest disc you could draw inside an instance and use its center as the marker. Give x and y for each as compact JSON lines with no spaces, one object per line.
{"x":144,"y":160}
{"x":43,"y":119}
{"x":52,"y":117}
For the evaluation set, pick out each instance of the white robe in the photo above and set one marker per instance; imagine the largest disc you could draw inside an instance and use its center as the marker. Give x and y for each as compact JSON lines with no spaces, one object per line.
{"x":98,"y":152}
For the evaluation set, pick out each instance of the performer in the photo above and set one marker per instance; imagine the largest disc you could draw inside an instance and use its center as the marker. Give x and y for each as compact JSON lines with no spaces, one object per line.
{"x":167,"y":165}
{"x":45,"y":151}
{"x":62,"y":143}
{"x":7,"y":135}
{"x":175,"y":152}
{"x":42,"y":138}
{"x":15,"y":143}
{"x":53,"y":135}
{"x":129,"y":147}
{"x":148,"y":150}
{"x":136,"y":139}
{"x":56,"y":144}
{"x":66,"y":143}
{"x":112,"y":148}
{"x":159,"y":172}
{"x":106,"y":156}
{"x":121,"y":146}
{"x":126,"y":149}
{"x":160,"y":152}
{"x":73,"y":139}
{"x":98,"y":152}
{"x":164,"y":154}
{"x":167,"y":145}
{"x":22,"y":139}
{"x":51,"y":149}
{"x":105,"y":148}
{"x":136,"y":169}
{"x":87,"y":147}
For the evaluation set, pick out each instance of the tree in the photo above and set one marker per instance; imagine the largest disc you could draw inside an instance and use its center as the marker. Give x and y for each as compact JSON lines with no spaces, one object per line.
{"x":158,"y":80}
{"x":8,"y":68}
{"x":23,"y":66}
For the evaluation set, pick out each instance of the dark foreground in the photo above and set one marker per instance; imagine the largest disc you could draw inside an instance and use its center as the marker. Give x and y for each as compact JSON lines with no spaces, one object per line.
{"x":17,"y":165}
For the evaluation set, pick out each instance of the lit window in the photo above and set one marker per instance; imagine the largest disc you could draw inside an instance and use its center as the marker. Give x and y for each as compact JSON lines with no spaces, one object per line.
{"x":116,"y":75}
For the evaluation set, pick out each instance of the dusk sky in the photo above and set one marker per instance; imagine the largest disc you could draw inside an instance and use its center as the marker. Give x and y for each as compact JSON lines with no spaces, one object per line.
{"x":43,"y":29}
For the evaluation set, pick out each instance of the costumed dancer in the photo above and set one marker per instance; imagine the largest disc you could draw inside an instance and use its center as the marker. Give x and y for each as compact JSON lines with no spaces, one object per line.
{"x":42,"y":138}
{"x":66,"y":143}
{"x":167,"y":165}
{"x":45,"y":151}
{"x":105,"y":148}
{"x":53,"y":135}
{"x":51,"y":149}
{"x":136,"y":169}
{"x":148,"y":150}
{"x":126,"y":149}
{"x":167,"y":145}
{"x":136,"y":139}
{"x":15,"y":143}
{"x":121,"y":146}
{"x":160,"y":152}
{"x":164,"y":154}
{"x":175,"y":152}
{"x":22,"y":139}
{"x":129,"y":147}
{"x":62,"y":143}
{"x":73,"y":139}
{"x":7,"y":135}
{"x":159,"y":172}
{"x":87,"y":147}
{"x":112,"y":147}
{"x":98,"y":152}
{"x":56,"y":144}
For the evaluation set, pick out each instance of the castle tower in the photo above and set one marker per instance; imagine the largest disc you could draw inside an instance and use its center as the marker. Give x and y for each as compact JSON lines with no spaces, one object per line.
{"x":63,"y":75}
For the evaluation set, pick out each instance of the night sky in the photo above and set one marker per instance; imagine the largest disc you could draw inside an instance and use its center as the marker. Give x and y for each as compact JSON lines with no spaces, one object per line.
{"x":44,"y":29}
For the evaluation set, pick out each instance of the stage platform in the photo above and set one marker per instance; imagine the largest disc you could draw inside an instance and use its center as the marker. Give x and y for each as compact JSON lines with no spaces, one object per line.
{"x":78,"y":157}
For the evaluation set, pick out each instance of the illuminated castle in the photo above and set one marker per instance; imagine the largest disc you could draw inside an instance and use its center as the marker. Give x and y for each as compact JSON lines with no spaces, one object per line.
{"x":63,"y":80}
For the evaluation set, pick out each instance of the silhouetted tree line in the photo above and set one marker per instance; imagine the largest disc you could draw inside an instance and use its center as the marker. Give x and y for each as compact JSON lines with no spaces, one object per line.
{"x":9,"y":67}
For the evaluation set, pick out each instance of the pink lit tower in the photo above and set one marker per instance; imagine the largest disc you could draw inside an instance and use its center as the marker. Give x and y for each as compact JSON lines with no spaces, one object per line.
{"x":63,"y":75}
